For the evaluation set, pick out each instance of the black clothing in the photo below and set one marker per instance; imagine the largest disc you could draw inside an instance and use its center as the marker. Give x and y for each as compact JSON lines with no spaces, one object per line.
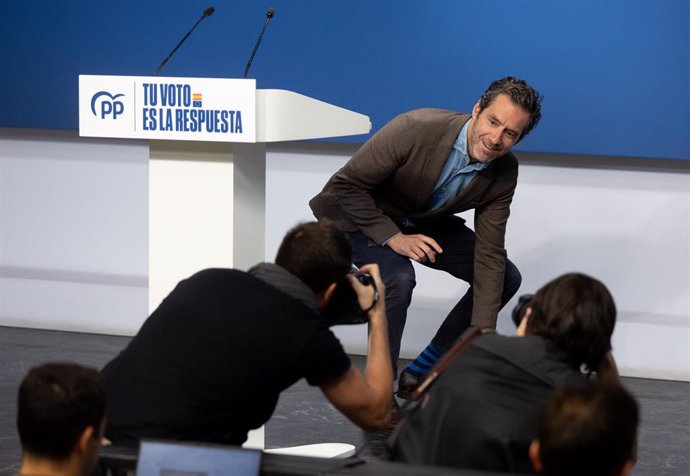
{"x":482,"y":412}
{"x":212,"y":359}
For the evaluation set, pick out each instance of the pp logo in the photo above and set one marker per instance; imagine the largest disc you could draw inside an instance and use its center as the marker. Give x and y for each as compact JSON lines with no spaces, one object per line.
{"x":109,"y":106}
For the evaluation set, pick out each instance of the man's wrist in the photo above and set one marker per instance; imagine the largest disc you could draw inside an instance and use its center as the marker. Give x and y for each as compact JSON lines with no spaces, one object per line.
{"x":376,"y":315}
{"x":385,"y":243}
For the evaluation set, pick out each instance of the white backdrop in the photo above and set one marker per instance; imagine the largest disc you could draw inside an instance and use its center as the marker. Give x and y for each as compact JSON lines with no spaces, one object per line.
{"x":73,"y":238}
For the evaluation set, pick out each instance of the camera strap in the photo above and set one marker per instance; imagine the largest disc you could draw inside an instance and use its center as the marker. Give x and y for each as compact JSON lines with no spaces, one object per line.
{"x":372,"y":283}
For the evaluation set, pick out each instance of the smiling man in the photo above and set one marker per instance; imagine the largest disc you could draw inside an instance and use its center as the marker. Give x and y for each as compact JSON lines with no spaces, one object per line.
{"x":398,"y":196}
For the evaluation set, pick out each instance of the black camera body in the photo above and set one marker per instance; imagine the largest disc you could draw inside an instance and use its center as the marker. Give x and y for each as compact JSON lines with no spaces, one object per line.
{"x":343,"y":308}
{"x":363,"y":278}
{"x":520,"y":308}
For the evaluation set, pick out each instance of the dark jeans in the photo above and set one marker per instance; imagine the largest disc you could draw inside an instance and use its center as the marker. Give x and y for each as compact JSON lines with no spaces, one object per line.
{"x":457,"y":259}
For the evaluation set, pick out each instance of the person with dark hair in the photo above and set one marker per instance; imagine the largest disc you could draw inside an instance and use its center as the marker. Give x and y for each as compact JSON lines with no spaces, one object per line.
{"x":60,"y":419}
{"x":481,"y":413}
{"x":575,"y":314}
{"x":587,"y":428}
{"x":210,"y":362}
{"x":398,"y":197}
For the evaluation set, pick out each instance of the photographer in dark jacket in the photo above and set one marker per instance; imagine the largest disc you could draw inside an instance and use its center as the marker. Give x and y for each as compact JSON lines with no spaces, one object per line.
{"x":212,"y":359}
{"x":482,"y":412}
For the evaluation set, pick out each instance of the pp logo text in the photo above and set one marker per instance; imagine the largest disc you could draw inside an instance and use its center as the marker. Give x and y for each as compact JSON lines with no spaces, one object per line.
{"x":104,"y":104}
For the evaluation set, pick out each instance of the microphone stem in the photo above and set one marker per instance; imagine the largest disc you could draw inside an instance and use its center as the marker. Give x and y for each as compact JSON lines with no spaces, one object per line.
{"x":256,"y":47}
{"x":179,"y":44}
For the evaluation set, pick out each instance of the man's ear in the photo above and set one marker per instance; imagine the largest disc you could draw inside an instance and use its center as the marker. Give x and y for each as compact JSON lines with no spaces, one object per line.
{"x":534,"y":456}
{"x":476,"y":110}
{"x":85,"y":438}
{"x":324,"y":296}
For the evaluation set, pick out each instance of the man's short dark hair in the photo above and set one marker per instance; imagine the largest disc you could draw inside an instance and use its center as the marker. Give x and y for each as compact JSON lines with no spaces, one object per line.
{"x":521,"y":93}
{"x":588,"y":428}
{"x":575,"y":314}
{"x":317,"y":253}
{"x":56,"y":402}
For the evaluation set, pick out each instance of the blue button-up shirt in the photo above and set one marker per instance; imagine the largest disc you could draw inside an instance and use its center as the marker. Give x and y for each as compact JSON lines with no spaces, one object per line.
{"x":457,"y":173}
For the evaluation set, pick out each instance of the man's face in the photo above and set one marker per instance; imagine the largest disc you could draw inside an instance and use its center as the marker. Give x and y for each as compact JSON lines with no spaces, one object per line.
{"x":495,"y":129}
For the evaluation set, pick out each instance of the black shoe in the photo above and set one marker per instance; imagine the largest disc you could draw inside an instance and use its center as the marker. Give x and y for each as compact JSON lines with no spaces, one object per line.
{"x":407,"y":383}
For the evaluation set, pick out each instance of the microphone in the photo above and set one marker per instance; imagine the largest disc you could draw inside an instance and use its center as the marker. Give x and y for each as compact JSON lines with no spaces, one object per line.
{"x":207,"y":13}
{"x":269,"y":14}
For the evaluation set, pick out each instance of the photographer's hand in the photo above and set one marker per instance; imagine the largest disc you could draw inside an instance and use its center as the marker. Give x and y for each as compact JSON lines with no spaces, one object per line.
{"x":369,"y":297}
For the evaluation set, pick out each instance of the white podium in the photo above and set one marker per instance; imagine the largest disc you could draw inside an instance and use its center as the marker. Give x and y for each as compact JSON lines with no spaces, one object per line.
{"x":207,"y":178}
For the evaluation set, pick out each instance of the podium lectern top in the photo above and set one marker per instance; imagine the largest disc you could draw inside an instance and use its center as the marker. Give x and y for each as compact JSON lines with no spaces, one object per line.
{"x":206,"y":110}
{"x":285,"y":115}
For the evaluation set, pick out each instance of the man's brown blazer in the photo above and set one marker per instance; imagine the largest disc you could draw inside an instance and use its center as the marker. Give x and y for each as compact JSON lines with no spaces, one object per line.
{"x":392,"y":177}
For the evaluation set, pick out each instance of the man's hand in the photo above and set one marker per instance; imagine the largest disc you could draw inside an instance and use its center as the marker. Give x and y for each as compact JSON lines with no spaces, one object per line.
{"x":416,"y":247}
{"x":365,"y":294}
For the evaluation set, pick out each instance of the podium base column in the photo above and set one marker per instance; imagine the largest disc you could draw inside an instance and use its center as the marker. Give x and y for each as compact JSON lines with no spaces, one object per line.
{"x":207,"y":205}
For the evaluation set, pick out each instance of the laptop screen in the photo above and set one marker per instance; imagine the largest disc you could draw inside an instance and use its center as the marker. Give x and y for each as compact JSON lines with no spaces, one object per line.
{"x":168,"y":458}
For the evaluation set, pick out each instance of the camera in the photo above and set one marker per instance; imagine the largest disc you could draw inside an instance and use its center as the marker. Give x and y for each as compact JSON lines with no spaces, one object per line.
{"x":343,"y":308}
{"x":363,"y":278}
{"x":520,"y":308}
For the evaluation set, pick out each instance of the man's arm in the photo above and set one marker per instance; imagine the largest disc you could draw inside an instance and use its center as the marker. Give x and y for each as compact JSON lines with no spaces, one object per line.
{"x":490,"y":256}
{"x":371,"y":165}
{"x":376,"y":162}
{"x":366,"y":398}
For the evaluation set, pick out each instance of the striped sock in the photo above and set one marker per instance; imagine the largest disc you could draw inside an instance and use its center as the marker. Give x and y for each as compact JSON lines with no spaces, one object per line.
{"x":423,"y":363}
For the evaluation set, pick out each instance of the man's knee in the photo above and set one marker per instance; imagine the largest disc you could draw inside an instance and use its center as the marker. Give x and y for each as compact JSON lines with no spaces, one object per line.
{"x":513,"y":279}
{"x":400,"y":280}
